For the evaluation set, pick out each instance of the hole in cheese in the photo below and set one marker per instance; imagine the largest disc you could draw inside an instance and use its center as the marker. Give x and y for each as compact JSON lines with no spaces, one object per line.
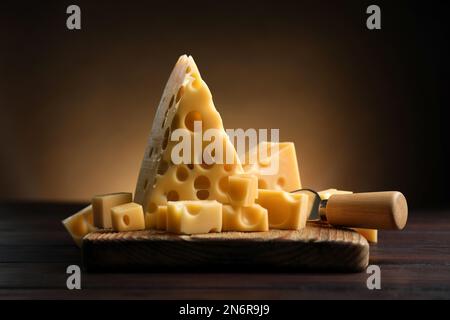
{"x":173,"y":196}
{"x":281,"y":181}
{"x":180,"y":93}
{"x":188,"y":69}
{"x":166,"y":139}
{"x":163,"y":166}
{"x":193,"y":209}
{"x":262,"y":184}
{"x":190,"y":166}
{"x":191,"y":117}
{"x":126,"y":219}
{"x":228,"y":167}
{"x":182,"y":173}
{"x":202,"y":182}
{"x":223,"y":184}
{"x":203,"y":194}
{"x":152,"y":207}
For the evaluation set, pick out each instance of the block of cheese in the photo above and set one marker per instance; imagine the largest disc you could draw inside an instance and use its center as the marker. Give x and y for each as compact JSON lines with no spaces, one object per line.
{"x":127,"y":217}
{"x":185,"y":111}
{"x":80,"y":224}
{"x":326,"y":194}
{"x":286,"y":210}
{"x":161,"y":218}
{"x":275,"y":164}
{"x":194,"y":217}
{"x":150,"y":220}
{"x":242,"y":189}
{"x":102,"y":204}
{"x":237,"y":218}
{"x":370,"y":234}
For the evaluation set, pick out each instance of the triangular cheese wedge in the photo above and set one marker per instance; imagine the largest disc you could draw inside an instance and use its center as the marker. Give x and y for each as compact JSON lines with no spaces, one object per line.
{"x":186,"y":99}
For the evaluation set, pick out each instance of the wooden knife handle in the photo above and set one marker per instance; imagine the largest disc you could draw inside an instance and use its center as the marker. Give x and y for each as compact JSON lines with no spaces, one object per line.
{"x":372,"y":210}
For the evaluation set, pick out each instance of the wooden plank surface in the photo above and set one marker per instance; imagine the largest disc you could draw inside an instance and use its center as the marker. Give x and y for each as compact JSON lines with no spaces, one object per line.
{"x":35,"y":251}
{"x":315,"y":248}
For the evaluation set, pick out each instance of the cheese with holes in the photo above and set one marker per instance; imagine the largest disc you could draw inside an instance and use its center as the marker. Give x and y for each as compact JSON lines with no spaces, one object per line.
{"x":242,"y":189}
{"x":128,"y":217}
{"x":286,"y":210}
{"x":370,"y":234}
{"x":275,"y":164}
{"x":194,"y":217}
{"x":80,"y":224}
{"x":161,"y":218}
{"x":326,"y":194}
{"x":102,"y":204}
{"x":252,"y":218}
{"x":186,"y":110}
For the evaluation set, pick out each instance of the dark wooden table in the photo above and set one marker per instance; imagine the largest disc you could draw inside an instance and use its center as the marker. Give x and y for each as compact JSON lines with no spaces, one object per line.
{"x":35,"y":251}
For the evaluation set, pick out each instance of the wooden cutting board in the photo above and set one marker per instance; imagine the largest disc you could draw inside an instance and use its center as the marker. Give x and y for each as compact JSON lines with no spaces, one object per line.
{"x":317,"y":247}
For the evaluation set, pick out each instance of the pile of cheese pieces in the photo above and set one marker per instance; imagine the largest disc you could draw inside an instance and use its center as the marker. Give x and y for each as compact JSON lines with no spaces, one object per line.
{"x":200,"y":197}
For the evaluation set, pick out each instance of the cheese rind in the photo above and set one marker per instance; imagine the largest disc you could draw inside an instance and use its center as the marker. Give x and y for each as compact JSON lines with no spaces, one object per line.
{"x":80,"y":224}
{"x":102,"y":204}
{"x":242,"y":189}
{"x":286,"y":210}
{"x":268,"y":156}
{"x":252,"y":218}
{"x":128,"y":217}
{"x":194,"y":217}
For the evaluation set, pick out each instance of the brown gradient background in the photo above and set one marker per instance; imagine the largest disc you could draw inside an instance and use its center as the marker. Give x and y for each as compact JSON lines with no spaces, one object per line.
{"x":364,"y":108}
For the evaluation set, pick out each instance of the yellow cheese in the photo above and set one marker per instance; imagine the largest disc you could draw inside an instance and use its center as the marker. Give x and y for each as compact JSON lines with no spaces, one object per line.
{"x":161,"y":218}
{"x":128,"y":217}
{"x":268,"y":155}
{"x":80,"y":224}
{"x":186,"y":99}
{"x":150,"y":220}
{"x":102,"y":204}
{"x":370,"y":234}
{"x":286,"y":210}
{"x":242,"y":189}
{"x":192,"y":217}
{"x":236,"y":218}
{"x":326,"y":194}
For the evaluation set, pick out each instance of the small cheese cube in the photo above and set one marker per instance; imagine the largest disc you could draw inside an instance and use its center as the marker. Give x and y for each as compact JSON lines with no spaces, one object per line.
{"x":242,"y":189}
{"x":80,"y":224}
{"x":150,"y":220}
{"x":286,"y":210}
{"x":370,"y":234}
{"x":102,"y":205}
{"x":254,"y":218}
{"x":326,"y":194}
{"x":128,"y":217}
{"x":192,"y":217}
{"x":161,"y":218}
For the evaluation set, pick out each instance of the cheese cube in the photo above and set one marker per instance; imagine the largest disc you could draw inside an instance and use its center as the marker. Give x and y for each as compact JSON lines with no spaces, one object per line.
{"x":193,"y":217}
{"x":102,"y":205}
{"x":150,"y":220}
{"x":253,"y":218}
{"x":326,"y":194}
{"x":128,"y":217}
{"x":161,"y":218}
{"x":286,"y":210}
{"x":80,"y":224}
{"x":370,"y":234}
{"x":268,"y":156}
{"x":242,"y":189}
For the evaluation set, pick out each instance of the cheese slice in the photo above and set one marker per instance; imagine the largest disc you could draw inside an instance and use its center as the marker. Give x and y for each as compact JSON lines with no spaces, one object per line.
{"x":275,"y":164}
{"x":237,"y":218}
{"x":370,"y":234}
{"x":194,"y":217}
{"x":286,"y":210}
{"x":80,"y":224}
{"x":185,"y":103}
